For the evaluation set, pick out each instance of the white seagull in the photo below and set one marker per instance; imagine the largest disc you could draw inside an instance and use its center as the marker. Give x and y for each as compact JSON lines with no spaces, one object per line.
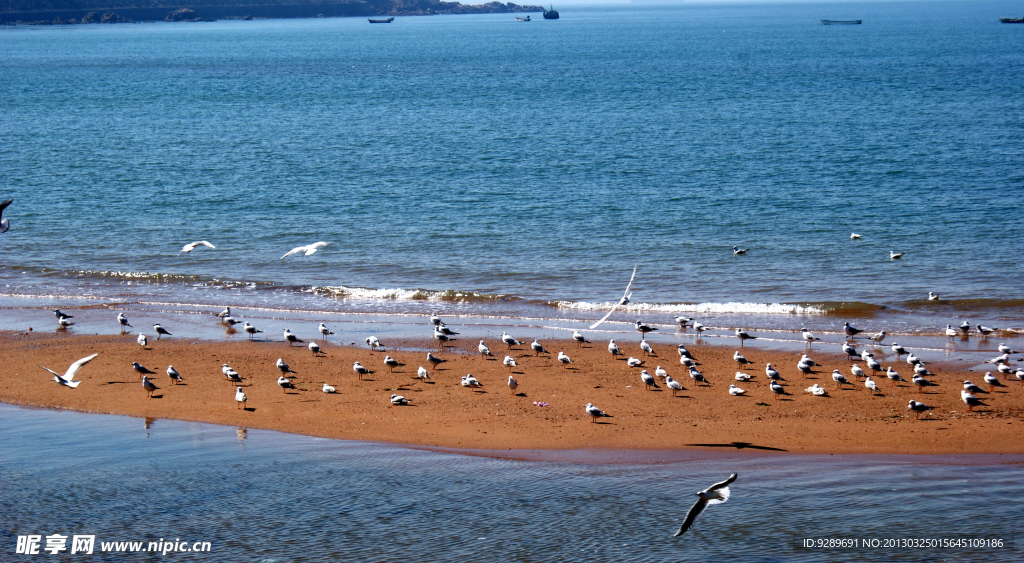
{"x":856,"y":371}
{"x":509,"y":362}
{"x":421,"y":373}
{"x":643,"y":329}
{"x":816,"y":390}
{"x":230,"y":373}
{"x":192,"y":246}
{"x":391,"y":363}
{"x":483,"y":349}
{"x":579,"y":338}
{"x":512,"y":384}
{"x":372,"y":342}
{"x":283,"y":366}
{"x":871,"y":385}
{"x":743,"y":336}
{"x":4,"y":223}
{"x":508,"y":340}
{"x":325,"y":331}
{"x":740,"y":359}
{"x":149,"y":386}
{"x":839,"y":378}
{"x":715,"y":494}
{"x":899,"y":351}
{"x":849,"y":350}
{"x":225,"y":313}
{"x":142,"y":340}
{"x":174,"y":375}
{"x":314,"y":348}
{"x":850,"y":331}
{"x":740,"y":376}
{"x":648,"y":380}
{"x":360,"y":370}
{"x":970,"y":400}
{"x":777,"y":388}
{"x":933,"y":296}
{"x":672,"y":384}
{"x":240,"y":398}
{"x":660,"y":372}
{"x":646,"y":347}
{"x":160,"y":331}
{"x":596,"y":413}
{"x":683,"y":321}
{"x":564,"y":359}
{"x":877,"y":338}
{"x":855,"y":236}
{"x":771,"y":372}
{"x":634,"y":362}
{"x":626,"y":296}
{"x":328,"y":389}
{"x":399,"y":400}
{"x":613,"y":348}
{"x":736,"y":251}
{"x":68,"y":377}
{"x":284,"y":384}
{"x":308,"y":249}
{"x":918,"y":407}
{"x":736,"y":391}
{"x":250,"y":330}
{"x":123,"y":321}
{"x":537,"y":348}
{"x":291,"y":338}
{"x":895,"y":255}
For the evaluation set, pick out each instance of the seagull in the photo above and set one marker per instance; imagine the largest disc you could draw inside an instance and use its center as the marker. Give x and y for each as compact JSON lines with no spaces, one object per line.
{"x":646,"y":347}
{"x":920,"y":381}
{"x":399,"y":400}
{"x":634,"y":362}
{"x":777,"y":388}
{"x":160,"y":331}
{"x":972,"y":388}
{"x":920,"y":370}
{"x":856,"y":371}
{"x":736,"y":391}
{"x":816,"y":390}
{"x":613,"y":348}
{"x":509,"y":362}
{"x":805,"y":359}
{"x":230,"y":321}
{"x":61,"y":315}
{"x":970,"y":400}
{"x":771,"y":373}
{"x":715,"y":494}
{"x":372,"y":342}
{"x":849,"y":350}
{"x":743,"y":336}
{"x":512,"y":384}
{"x":626,"y":296}
{"x":683,"y":352}
{"x":328,"y":389}
{"x":736,"y":251}
{"x":918,"y":407}
{"x":855,"y":236}
{"x":174,"y":375}
{"x":283,"y":366}
{"x":325,"y":331}
{"x":192,"y":246}
{"x":69,"y":375}
{"x":225,"y":313}
{"x":648,"y":380}
{"x":913,"y":360}
{"x":850,"y":331}
{"x":1005,"y":369}
{"x":231,"y":374}
{"x":740,"y":359}
{"x":563,"y":359}
{"x":877,"y":338}
{"x":643,"y":329}
{"x":250,"y":330}
{"x":149,"y":386}
{"x":64,"y":323}
{"x":683,"y":321}
{"x":998,"y":359}
{"x":984,"y":330}
{"x":537,"y":348}
{"x":596,"y":413}
{"x":992,"y":381}
{"x":314,"y":348}
{"x":291,"y":338}
{"x":965,"y":327}
{"x":1006,"y":349}
{"x":804,"y":367}
{"x":284,"y":384}
{"x":740,"y":376}
{"x":688,"y":362}
{"x":950,"y":332}
{"x":864,"y":355}
{"x":839,"y":378}
{"x":701,"y":328}
{"x":874,"y":365}
{"x":142,"y":369}
{"x":578,"y":337}
{"x":4,"y":223}
{"x":436,"y":320}
{"x":391,"y":363}
{"x":698,"y":376}
{"x":483,"y":349}
{"x":421,"y":373}
{"x":895,"y":255}
{"x":123,"y":321}
{"x":509,"y":341}
{"x":899,"y":350}
{"x":808,"y":337}
{"x":932,"y":296}
{"x":660,"y":372}
{"x":870,"y":384}
{"x":893,"y":376}
{"x":1019,"y":374}
{"x":434,"y":359}
{"x":470,"y":381}
{"x":308,"y":249}
{"x":445,"y":330}
{"x":360,"y":370}
{"x":240,"y":397}
{"x":672,"y":384}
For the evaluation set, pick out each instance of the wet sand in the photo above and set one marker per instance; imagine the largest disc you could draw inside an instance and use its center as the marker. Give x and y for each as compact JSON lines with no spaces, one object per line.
{"x":444,"y":414}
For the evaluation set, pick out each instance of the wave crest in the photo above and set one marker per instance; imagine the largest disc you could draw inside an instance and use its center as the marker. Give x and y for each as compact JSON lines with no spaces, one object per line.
{"x":400,"y":294}
{"x":706,"y":308}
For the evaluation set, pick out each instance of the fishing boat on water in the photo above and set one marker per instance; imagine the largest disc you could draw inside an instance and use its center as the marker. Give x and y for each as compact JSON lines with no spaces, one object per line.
{"x":1012,"y":20}
{"x":526,"y":19}
{"x":388,"y":20}
{"x":841,"y":22}
{"x":551,"y":14}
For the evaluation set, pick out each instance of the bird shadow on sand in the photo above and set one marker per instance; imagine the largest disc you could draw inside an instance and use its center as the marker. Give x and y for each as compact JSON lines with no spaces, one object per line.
{"x":738,"y":446}
{"x":520,"y":394}
{"x":157,"y":397}
{"x":249,"y":409}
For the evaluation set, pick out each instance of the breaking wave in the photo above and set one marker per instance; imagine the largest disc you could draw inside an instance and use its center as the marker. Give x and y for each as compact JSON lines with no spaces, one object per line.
{"x":399,"y":294}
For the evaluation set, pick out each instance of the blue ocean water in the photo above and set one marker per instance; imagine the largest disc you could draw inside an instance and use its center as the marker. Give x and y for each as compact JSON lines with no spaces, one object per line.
{"x":521,"y":169}
{"x":264,"y":496}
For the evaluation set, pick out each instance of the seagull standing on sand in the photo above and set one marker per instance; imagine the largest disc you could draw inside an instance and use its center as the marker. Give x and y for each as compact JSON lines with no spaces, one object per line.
{"x":314,"y":348}
{"x":648,"y":380}
{"x":698,"y":376}
{"x":291,"y":338}
{"x":740,"y":359}
{"x":512,"y":385}
{"x":771,"y":372}
{"x":192,"y":246}
{"x":893,"y":375}
{"x":483,"y":349}
{"x":391,"y":363}
{"x":646,"y":347}
{"x":174,"y":375}
{"x":4,"y":223}
{"x":509,"y":341}
{"x":537,"y":348}
{"x":230,"y":373}
{"x":874,"y":366}
{"x":970,"y":400}
{"x":992,"y":381}
{"x":777,"y":388}
{"x":250,"y":330}
{"x":578,"y":337}
{"x":434,"y":360}
{"x":972,"y":388}
{"x":360,"y":370}
{"x":839,"y":378}
{"x":160,"y":331}
{"x":421,"y":373}
{"x":672,"y":384}
{"x":141,"y":369}
{"x":856,"y":371}
{"x":563,"y":359}
{"x":68,"y":378}
{"x":849,"y":350}
{"x":742,"y":335}
{"x":920,"y":370}
{"x":283,"y":366}
{"x":613,"y":348}
{"x":715,"y":494}
{"x":918,"y":408}
{"x":149,"y":386}
{"x":123,"y":321}
{"x":626,"y":296}
{"x":899,"y":351}
{"x":509,"y":362}
{"x":142,"y":341}
{"x":240,"y":398}
{"x":308,"y":249}
{"x":284,"y":384}
{"x":325,"y":331}
{"x":596,"y":413}
{"x":373,"y":343}
{"x":871,"y":385}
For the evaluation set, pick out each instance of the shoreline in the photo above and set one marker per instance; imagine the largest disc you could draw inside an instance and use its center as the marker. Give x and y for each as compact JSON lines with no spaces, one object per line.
{"x":445,"y":415}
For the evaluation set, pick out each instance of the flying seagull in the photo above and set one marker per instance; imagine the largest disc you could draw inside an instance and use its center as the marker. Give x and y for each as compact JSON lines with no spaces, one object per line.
{"x":626,"y":295}
{"x":192,"y":246}
{"x":715,"y":494}
{"x":69,"y":375}
{"x":308,"y":249}
{"x":4,"y":223}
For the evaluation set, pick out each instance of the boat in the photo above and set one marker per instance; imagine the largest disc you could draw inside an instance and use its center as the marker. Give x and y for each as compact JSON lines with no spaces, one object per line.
{"x":389,"y":20}
{"x":551,"y":14}
{"x":1012,"y":20}
{"x":841,"y":22}
{"x":526,"y":19}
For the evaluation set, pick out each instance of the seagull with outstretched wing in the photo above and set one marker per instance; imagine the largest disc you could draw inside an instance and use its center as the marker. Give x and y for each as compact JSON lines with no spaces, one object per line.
{"x":626,"y":295}
{"x":306,"y":250}
{"x":68,"y":377}
{"x":715,"y":494}
{"x":193,"y":245}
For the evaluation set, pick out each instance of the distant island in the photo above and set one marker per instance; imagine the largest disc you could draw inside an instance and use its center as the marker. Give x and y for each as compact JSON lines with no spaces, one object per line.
{"x":62,"y":12}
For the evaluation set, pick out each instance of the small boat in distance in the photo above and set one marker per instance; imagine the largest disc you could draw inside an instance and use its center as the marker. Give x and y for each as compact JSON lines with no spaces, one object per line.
{"x":1012,"y":20}
{"x":388,"y":20}
{"x":551,"y":14}
{"x":526,"y":19}
{"x":841,"y":22}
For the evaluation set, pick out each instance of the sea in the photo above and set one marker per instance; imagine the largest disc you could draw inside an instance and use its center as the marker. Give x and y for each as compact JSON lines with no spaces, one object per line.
{"x":511,"y":176}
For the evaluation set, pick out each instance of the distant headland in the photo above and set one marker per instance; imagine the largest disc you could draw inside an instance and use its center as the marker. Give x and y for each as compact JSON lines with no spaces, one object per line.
{"x":62,"y":12}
